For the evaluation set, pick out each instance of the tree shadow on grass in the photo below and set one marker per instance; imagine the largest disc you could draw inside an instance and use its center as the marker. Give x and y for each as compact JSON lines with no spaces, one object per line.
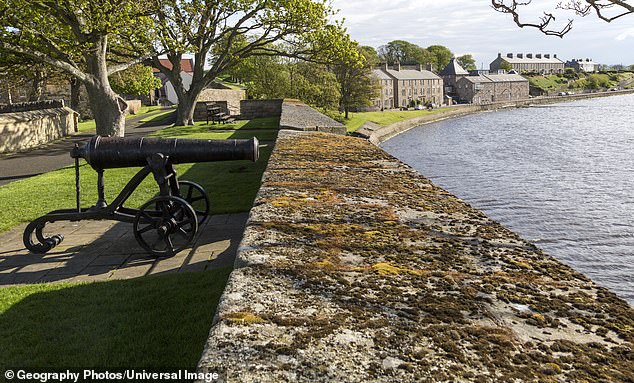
{"x":156,"y":322}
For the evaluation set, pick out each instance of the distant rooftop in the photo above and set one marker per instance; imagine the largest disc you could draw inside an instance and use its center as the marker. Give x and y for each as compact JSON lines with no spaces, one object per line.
{"x":453,"y":69}
{"x":521,"y":58}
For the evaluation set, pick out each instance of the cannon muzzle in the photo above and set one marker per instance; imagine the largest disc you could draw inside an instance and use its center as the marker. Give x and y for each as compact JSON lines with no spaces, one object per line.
{"x":120,"y":152}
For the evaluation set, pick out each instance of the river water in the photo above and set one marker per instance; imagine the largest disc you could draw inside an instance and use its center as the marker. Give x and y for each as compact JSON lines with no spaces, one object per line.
{"x":561,"y":176}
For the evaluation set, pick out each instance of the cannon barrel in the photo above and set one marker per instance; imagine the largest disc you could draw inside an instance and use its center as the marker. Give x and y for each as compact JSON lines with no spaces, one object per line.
{"x":120,"y":152}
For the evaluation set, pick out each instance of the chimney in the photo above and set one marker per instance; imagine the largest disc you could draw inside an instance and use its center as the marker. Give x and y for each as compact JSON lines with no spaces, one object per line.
{"x":547,"y":55}
{"x":529,"y":55}
{"x":509,"y":55}
{"x":430,"y":67}
{"x":397,"y":67}
{"x":499,"y":55}
{"x":555,"y":55}
{"x":520,"y":55}
{"x":538,"y":55}
{"x":587,"y":59}
{"x":386,"y":67}
{"x":420,"y":67}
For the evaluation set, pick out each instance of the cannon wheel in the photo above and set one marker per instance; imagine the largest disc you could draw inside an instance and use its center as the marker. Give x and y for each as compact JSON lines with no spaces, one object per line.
{"x":165,"y":225}
{"x":197,"y":197}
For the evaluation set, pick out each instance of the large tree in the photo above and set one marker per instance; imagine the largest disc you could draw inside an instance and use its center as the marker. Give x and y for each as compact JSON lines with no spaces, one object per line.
{"x":88,"y":39}
{"x":400,"y":51}
{"x":357,"y":86}
{"x":606,"y":10}
{"x":441,"y":56}
{"x":222,"y":34}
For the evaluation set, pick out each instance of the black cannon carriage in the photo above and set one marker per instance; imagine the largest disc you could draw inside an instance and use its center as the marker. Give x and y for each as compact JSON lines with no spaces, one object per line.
{"x":167,"y":223}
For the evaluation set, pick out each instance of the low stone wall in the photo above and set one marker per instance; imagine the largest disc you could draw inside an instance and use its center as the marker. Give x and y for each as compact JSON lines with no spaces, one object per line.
{"x":355,"y":268}
{"x":24,"y":130}
{"x":377,"y":134}
{"x":230,"y":97}
{"x":133,"y":106}
{"x":250,"y":109}
{"x":298,"y":116}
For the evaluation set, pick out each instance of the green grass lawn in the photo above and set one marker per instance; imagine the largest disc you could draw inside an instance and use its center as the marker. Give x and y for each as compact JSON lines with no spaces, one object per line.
{"x":384,"y":118}
{"x":159,"y":322}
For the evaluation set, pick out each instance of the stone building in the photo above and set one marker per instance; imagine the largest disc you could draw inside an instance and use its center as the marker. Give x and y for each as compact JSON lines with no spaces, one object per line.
{"x":581,"y":65}
{"x":401,"y":85}
{"x":166,"y":94}
{"x":522,"y":63}
{"x":386,"y":99}
{"x":450,"y":75}
{"x":491,"y":88}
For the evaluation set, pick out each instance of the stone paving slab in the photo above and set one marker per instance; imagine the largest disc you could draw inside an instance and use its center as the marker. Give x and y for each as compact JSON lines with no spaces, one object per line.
{"x":106,"y":250}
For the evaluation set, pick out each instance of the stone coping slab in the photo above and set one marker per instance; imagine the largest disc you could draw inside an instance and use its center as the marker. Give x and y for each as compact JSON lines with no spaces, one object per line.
{"x":297,"y":116}
{"x":355,"y":268}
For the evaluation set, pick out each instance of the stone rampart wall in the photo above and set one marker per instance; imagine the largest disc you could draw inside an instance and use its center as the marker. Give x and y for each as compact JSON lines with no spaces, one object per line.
{"x":355,"y":268}
{"x":24,"y":130}
{"x":250,"y":109}
{"x":229,"y":97}
{"x":298,"y":116}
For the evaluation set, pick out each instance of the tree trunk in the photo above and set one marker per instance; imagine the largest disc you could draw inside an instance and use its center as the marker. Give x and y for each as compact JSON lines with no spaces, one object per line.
{"x":75,"y":88}
{"x":108,"y":108}
{"x":185,"y":110}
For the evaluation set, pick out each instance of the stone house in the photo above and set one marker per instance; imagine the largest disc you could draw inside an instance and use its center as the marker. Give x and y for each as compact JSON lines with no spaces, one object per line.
{"x":386,"y":99}
{"x":491,"y":88}
{"x":522,"y":63}
{"x":166,"y":93}
{"x":450,"y":75}
{"x":401,"y":85}
{"x":581,"y":65}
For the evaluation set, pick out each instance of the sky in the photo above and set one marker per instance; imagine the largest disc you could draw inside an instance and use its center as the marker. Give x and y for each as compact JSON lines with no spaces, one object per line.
{"x":472,"y":26}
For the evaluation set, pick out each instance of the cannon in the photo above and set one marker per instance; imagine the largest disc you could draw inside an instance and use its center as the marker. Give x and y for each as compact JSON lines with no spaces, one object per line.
{"x":167,"y":223}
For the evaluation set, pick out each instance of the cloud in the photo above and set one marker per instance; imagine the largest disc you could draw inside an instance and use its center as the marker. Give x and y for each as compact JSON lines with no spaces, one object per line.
{"x":472,"y":26}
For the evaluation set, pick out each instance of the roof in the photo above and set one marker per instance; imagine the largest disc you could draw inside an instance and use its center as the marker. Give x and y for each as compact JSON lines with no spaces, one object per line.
{"x":453,"y":69}
{"x":495,"y":78}
{"x":525,"y":60}
{"x":408,"y":74}
{"x":187,"y":65}
{"x":381,"y":74}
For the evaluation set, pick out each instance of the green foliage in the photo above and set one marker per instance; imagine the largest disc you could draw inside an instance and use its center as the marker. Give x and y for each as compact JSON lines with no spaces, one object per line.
{"x":315,"y":85}
{"x":506,"y":65}
{"x":400,"y":51}
{"x":440,"y":56}
{"x":357,"y":86}
{"x":597,"y":81}
{"x":466,"y":61}
{"x":371,"y":56}
{"x":135,"y":81}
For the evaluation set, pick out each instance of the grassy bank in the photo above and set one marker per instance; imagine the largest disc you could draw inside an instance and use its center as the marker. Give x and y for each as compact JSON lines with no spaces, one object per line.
{"x":385,"y":118}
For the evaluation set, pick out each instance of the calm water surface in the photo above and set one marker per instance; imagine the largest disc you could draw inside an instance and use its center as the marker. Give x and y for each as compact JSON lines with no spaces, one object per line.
{"x":562,"y":176}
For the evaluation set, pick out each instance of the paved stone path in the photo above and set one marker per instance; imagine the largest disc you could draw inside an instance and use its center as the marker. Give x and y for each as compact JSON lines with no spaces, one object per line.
{"x":106,"y":250}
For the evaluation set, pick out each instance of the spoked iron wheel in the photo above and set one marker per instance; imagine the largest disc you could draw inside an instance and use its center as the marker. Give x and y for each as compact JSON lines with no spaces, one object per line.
{"x":197,"y":197}
{"x":165,"y":225}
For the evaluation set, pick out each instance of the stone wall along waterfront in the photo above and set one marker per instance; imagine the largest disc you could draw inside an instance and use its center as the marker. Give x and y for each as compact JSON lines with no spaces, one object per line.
{"x":355,"y":268}
{"x":25,"y":130}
